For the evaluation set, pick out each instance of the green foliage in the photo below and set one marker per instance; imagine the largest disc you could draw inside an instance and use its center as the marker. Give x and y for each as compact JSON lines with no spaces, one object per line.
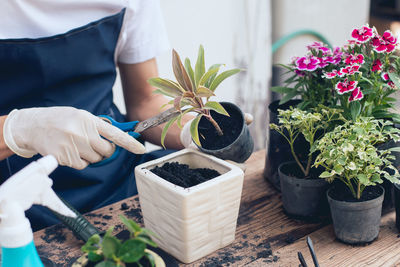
{"x":295,"y":121}
{"x":350,"y":153}
{"x":192,"y":91}
{"x":110,"y":251}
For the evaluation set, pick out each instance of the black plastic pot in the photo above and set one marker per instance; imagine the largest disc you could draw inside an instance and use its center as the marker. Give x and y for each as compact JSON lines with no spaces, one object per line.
{"x":302,"y":197}
{"x":235,"y":144}
{"x":356,"y":222}
{"x":278,"y":149}
{"x":397,"y":204}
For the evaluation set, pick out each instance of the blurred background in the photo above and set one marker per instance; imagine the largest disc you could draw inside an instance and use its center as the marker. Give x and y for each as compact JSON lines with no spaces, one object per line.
{"x":257,"y":34}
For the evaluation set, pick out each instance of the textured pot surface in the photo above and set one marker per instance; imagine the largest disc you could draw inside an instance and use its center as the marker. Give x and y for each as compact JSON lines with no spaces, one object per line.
{"x":356,"y":222}
{"x":191,"y":223}
{"x":242,"y":147}
{"x":302,"y":197}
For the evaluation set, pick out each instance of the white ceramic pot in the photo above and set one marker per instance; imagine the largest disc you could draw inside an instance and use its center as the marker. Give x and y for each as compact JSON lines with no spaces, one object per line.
{"x":191,"y":223}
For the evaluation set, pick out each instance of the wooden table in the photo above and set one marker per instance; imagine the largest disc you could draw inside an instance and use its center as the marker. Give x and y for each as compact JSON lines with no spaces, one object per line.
{"x":265,"y":236}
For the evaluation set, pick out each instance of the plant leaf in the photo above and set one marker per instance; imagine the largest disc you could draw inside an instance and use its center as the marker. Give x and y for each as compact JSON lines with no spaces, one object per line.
{"x":355,"y":109}
{"x":132,"y":250}
{"x":281,"y":90}
{"x":110,"y":246}
{"x":222,"y":77}
{"x":151,"y":259}
{"x":200,"y":66}
{"x":179,"y":120}
{"x":287,"y":97}
{"x":165,"y":130}
{"x":211,"y":79}
{"x":213,"y":105}
{"x":146,"y":239}
{"x":168,"y":87}
{"x":180,"y":73}
{"x":395,"y":78}
{"x":194,"y":131}
{"x":204,"y":92}
{"x":189,"y":71}
{"x":177,"y":103}
{"x":106,"y":264}
{"x":131,"y":225}
{"x":204,"y":79}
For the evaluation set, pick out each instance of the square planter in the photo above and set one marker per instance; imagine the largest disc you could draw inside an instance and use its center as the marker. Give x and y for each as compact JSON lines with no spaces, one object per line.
{"x":193,"y":222}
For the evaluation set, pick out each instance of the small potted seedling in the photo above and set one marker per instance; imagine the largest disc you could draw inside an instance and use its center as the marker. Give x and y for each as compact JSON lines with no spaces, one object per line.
{"x":219,"y":128}
{"x":109,"y":250}
{"x":303,"y":193}
{"x":350,"y":156}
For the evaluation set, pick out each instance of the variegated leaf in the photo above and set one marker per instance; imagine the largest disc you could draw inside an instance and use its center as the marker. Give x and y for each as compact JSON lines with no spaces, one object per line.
{"x":180,"y":73}
{"x":200,"y":66}
{"x":194,"y":130}
{"x":217,"y":107}
{"x":222,"y":77}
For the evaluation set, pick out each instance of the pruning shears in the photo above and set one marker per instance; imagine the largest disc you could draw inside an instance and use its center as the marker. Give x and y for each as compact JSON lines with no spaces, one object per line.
{"x":134,"y":128}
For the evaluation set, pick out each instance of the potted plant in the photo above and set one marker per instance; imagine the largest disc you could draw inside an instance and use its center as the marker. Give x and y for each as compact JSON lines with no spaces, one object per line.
{"x":219,"y":128}
{"x":302,"y":192}
{"x":190,"y":214}
{"x":360,"y":77}
{"x":109,"y":250}
{"x":349,"y":154}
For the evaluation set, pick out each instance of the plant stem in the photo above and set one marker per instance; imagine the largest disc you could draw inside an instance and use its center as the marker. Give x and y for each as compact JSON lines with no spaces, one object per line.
{"x":297,"y":159}
{"x":358,"y":190}
{"x":215,"y":124}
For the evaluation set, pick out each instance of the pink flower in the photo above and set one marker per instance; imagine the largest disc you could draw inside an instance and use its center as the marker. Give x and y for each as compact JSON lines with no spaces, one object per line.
{"x":350,"y":44}
{"x":377,"y":65}
{"x":391,"y":84}
{"x":362,"y":34}
{"x":385,"y":43}
{"x":319,"y":46}
{"x":309,"y":63}
{"x":354,"y":59}
{"x":350,"y":70}
{"x":346,"y":86}
{"x":385,"y":76}
{"x":356,"y":94}
{"x":332,"y":74}
{"x":322,"y":62}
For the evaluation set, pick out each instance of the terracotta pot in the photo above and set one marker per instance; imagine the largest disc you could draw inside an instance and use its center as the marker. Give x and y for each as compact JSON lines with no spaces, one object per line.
{"x":193,"y":222}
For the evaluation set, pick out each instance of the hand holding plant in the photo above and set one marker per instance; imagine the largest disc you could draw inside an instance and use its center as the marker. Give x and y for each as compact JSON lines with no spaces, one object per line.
{"x":294,"y":122}
{"x":349,"y":153}
{"x":192,"y":91}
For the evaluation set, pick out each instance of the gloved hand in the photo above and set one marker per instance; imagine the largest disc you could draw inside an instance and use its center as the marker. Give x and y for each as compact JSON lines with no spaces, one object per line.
{"x":71,"y":135}
{"x":187,"y":142}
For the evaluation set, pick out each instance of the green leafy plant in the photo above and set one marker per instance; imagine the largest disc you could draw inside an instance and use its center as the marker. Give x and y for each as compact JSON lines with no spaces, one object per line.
{"x":295,"y":121}
{"x":110,"y":251}
{"x":350,"y":153}
{"x":191,"y":92}
{"x":360,"y":77}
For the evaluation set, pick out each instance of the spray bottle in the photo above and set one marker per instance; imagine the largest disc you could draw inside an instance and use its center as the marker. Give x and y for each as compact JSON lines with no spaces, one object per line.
{"x":29,"y":186}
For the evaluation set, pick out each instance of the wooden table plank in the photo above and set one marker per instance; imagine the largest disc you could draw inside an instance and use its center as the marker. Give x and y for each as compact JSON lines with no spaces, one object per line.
{"x":385,"y":251}
{"x":262,"y":226}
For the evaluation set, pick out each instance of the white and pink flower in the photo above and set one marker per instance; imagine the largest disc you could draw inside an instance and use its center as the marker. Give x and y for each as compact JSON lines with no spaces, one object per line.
{"x":346,"y":86}
{"x":377,"y":65}
{"x":385,"y":43}
{"x":307,"y":63}
{"x":356,"y":94}
{"x":354,"y":59}
{"x":385,"y":76}
{"x":350,"y":70}
{"x":362,"y":34}
{"x":332,"y":74}
{"x":319,"y":46}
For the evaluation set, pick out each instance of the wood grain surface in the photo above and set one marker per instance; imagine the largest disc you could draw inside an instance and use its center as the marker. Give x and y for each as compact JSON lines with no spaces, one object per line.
{"x":265,"y":236}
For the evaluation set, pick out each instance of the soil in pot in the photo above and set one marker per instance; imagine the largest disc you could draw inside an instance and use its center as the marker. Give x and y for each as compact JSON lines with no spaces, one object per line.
{"x":182,"y":175}
{"x":303,"y":198}
{"x":356,"y":221}
{"x":235,"y":144}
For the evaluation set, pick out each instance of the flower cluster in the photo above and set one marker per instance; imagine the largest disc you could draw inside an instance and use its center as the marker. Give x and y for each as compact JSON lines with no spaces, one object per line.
{"x":358,"y":77}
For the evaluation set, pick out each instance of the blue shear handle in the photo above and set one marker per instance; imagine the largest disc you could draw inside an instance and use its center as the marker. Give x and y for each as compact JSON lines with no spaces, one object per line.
{"x":124,"y":126}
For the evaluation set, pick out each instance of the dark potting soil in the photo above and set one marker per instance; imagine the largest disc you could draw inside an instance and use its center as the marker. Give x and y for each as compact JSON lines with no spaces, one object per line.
{"x":182,"y":175}
{"x":293,"y":170}
{"x":342,"y":193}
{"x":231,"y":127}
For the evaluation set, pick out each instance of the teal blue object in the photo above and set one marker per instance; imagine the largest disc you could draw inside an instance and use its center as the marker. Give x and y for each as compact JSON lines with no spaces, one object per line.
{"x":26,"y":256}
{"x":128,"y":127}
{"x":287,"y":38}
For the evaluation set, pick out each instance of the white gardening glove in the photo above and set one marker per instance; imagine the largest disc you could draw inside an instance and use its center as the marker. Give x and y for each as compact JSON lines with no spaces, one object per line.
{"x":187,"y":142}
{"x":71,"y":135}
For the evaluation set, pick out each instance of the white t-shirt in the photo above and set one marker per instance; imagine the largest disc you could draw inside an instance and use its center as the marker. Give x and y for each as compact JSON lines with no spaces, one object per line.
{"x":142,"y":35}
